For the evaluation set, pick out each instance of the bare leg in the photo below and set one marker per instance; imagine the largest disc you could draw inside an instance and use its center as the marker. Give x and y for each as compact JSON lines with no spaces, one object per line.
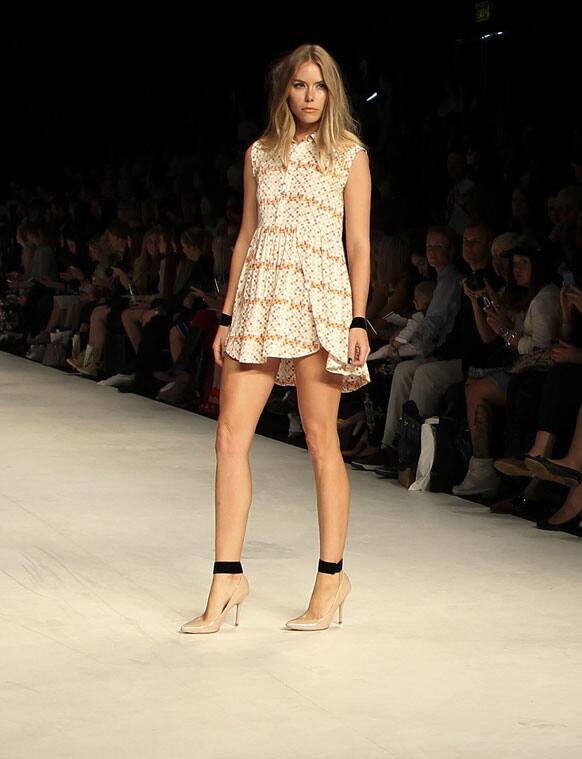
{"x":318,"y":395}
{"x":571,"y":507}
{"x":98,"y":329}
{"x":543,"y":444}
{"x":482,"y":395}
{"x":244,"y":391}
{"x":131,"y":320}
{"x":176,"y":343}
{"x":53,"y":318}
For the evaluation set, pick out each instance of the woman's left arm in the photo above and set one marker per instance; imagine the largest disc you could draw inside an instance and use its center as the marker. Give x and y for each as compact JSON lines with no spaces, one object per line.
{"x":357,"y":203}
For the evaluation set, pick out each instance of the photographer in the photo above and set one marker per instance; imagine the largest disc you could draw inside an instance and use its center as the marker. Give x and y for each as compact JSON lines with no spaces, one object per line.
{"x":527,"y":319}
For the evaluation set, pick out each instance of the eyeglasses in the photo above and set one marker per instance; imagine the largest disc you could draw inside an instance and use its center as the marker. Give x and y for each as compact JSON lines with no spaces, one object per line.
{"x":437,"y":246}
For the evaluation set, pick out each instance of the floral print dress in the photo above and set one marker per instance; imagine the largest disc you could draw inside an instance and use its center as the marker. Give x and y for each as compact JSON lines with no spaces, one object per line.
{"x":294,"y":292}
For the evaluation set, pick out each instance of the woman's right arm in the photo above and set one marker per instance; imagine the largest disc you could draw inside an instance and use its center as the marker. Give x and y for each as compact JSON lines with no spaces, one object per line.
{"x":247,"y":229}
{"x":485,"y":332}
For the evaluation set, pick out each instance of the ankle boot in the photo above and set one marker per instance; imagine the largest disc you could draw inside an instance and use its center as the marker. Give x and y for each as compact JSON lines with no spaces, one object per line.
{"x":337,"y":602}
{"x":239,"y":593}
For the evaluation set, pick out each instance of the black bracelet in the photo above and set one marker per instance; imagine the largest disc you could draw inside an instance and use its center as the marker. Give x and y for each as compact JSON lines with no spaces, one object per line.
{"x":358,"y":321}
{"x":225,"y":319}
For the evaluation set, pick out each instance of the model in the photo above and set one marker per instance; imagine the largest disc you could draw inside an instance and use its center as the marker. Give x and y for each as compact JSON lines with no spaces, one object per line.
{"x":294,"y":314}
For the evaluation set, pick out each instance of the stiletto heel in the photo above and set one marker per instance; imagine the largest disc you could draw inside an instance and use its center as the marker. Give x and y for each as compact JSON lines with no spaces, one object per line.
{"x":344,"y":588}
{"x":238,"y":595}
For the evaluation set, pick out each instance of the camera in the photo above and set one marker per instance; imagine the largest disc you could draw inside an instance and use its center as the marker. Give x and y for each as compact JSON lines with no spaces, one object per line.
{"x":475,"y":282}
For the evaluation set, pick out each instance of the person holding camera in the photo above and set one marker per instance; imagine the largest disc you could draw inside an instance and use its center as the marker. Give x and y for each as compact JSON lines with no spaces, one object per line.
{"x":448,"y":343}
{"x":526,"y":319}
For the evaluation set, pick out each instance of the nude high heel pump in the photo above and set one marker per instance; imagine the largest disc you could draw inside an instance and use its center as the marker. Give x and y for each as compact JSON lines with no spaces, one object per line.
{"x":322,"y":623}
{"x":240,"y":592}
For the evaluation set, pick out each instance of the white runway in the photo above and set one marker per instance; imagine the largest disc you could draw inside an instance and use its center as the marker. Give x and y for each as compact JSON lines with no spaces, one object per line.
{"x":461,"y":637}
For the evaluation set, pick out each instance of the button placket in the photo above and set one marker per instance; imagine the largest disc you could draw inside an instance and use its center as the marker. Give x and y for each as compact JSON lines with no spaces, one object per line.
{"x":287,"y":181}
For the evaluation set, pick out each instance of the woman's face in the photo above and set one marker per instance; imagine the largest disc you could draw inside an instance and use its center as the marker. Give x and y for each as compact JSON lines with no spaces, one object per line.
{"x":190,"y":251}
{"x":153,"y":245}
{"x":522,"y":270}
{"x":518,"y":204}
{"x":307,"y":90}
{"x":500,"y":265}
{"x":420,"y":263}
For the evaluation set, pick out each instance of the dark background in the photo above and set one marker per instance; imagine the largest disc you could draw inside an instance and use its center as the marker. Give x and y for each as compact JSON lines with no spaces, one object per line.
{"x":87,"y":82}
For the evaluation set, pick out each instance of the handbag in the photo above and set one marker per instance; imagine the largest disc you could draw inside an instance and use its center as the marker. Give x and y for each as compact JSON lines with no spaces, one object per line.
{"x":540,"y":360}
{"x":409,"y":443}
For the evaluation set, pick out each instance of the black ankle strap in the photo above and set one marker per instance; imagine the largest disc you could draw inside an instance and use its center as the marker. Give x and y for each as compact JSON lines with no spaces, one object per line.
{"x":330,"y":567}
{"x":227,"y":567}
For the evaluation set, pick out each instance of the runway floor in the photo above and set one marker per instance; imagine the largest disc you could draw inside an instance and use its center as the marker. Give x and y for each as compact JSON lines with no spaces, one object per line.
{"x":461,"y":637}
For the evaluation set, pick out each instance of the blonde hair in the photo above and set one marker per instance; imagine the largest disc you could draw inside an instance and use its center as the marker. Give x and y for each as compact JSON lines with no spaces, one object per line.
{"x":145,"y":267}
{"x":337,"y":129}
{"x":424,"y":289}
{"x":506,"y":240}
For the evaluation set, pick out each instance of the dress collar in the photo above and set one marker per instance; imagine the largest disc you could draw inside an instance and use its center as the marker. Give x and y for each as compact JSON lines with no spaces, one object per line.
{"x":309,"y":137}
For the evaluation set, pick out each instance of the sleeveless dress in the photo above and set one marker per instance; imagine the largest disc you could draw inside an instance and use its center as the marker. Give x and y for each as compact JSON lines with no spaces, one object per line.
{"x":294,"y":292}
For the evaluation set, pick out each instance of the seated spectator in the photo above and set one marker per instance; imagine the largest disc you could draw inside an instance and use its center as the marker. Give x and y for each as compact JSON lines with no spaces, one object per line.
{"x":527,"y":318}
{"x":88,"y":362}
{"x":562,"y":389}
{"x":407,"y":341}
{"x":39,"y":280}
{"x":170,"y":319}
{"x":436,"y":326}
{"x":456,"y":214}
{"x":391,"y":285}
{"x":568,"y":205}
{"x":566,"y":471}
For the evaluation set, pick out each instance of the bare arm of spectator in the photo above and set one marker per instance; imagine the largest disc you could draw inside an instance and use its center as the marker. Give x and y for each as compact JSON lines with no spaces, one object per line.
{"x":485,"y":332}
{"x":380,"y":305}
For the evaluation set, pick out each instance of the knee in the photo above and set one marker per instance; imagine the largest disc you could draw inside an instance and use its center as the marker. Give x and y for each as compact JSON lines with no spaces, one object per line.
{"x":422,"y":378}
{"x":126,"y":316}
{"x":230,"y":439}
{"x":320,"y":440}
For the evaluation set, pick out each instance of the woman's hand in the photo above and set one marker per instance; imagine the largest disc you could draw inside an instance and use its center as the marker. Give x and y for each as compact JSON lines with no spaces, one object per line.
{"x":188,"y":301}
{"x":473,"y":294}
{"x":358,"y":346}
{"x":219,"y":343}
{"x":76,"y":273}
{"x":566,"y":353}
{"x":497,"y":318}
{"x":148,"y":315}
